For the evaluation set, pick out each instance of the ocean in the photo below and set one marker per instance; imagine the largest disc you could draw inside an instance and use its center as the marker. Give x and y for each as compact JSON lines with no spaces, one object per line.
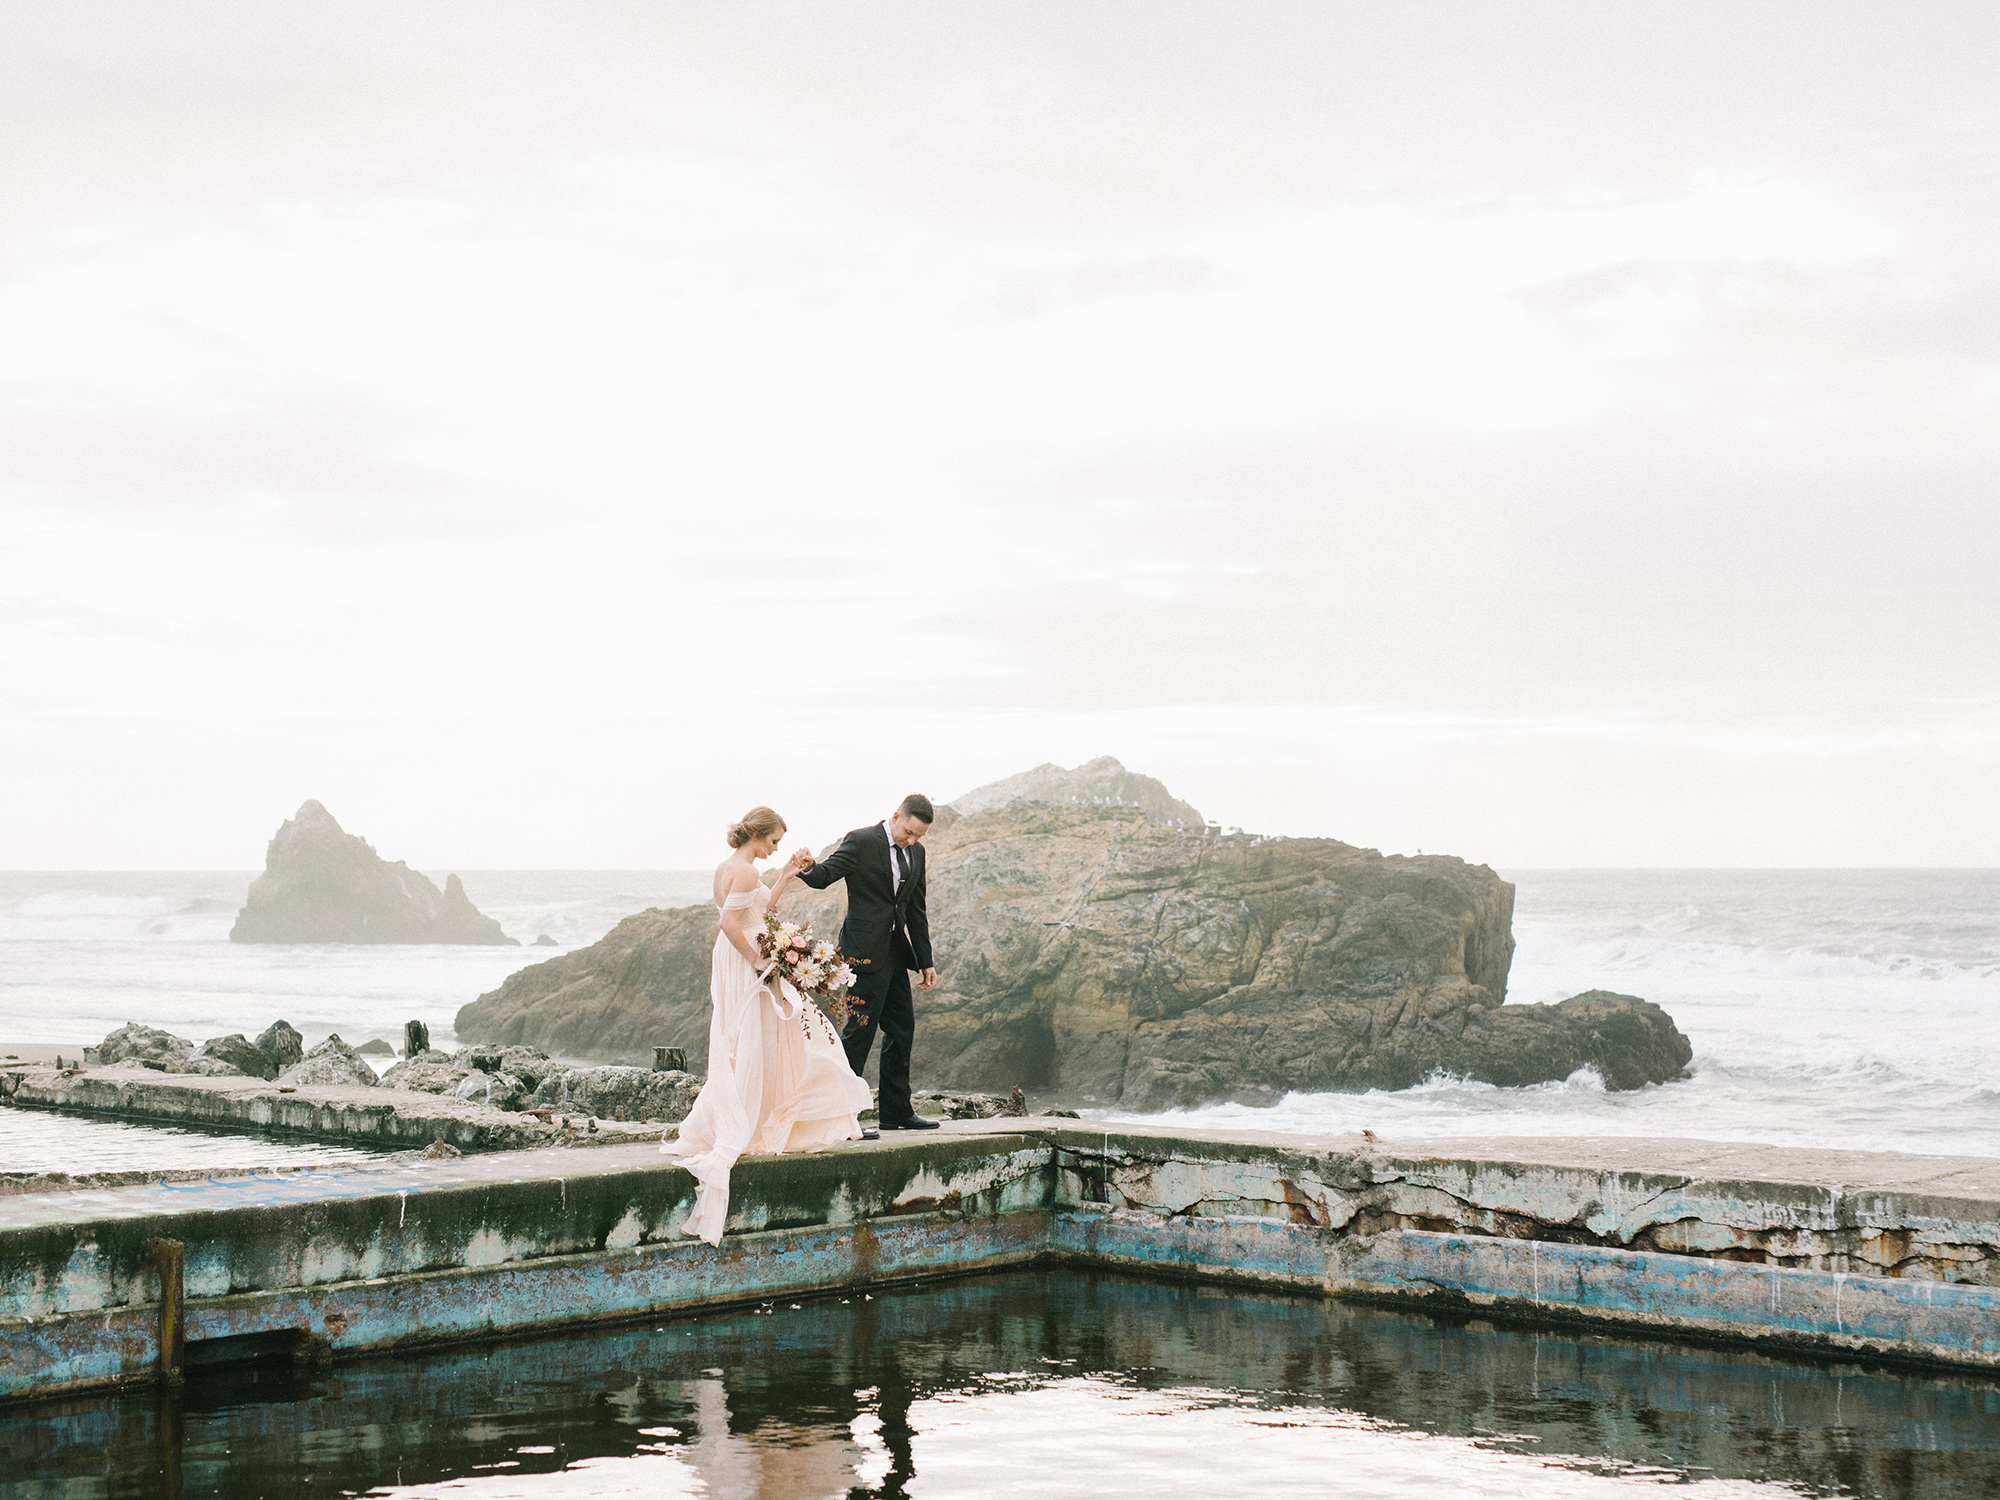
{"x":1841,"y":1008}
{"x":1856,"y":1008}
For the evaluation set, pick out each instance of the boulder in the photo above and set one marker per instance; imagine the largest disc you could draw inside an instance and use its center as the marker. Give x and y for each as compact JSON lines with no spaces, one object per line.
{"x":212,"y":1067}
{"x":137,"y":1042}
{"x":941,"y":1106}
{"x":1095,"y":938}
{"x":240,"y":1055}
{"x":282,"y":1043}
{"x":331,"y":1062}
{"x":501,"y":1090}
{"x":376,"y":1047}
{"x":322,"y":884}
{"x":529,"y":1064}
{"x":545,"y":941}
{"x":1629,"y":1041}
{"x":429,"y":1072}
{"x":662,"y":1096}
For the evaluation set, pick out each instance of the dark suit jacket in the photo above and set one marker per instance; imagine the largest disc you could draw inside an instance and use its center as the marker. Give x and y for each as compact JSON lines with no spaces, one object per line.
{"x":883,"y":928}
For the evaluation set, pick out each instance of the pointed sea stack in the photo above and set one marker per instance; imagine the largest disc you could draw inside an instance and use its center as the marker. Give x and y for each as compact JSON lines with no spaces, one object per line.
{"x":324,"y":885}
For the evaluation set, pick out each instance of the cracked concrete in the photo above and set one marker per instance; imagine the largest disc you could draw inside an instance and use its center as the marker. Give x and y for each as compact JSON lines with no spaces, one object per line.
{"x":1876,"y":1214}
{"x":1886,"y":1255}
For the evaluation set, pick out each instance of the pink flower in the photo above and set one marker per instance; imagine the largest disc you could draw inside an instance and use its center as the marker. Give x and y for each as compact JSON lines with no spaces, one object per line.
{"x":799,"y":943}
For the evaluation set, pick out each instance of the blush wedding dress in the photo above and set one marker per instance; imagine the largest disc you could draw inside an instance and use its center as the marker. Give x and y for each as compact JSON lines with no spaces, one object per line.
{"x":778,"y":1079}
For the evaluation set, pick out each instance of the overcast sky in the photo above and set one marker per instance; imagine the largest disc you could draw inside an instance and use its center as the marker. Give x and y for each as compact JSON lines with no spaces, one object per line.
{"x":1552,"y":434}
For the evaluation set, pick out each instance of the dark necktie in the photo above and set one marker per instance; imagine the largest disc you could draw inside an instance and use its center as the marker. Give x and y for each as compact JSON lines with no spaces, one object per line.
{"x":902,"y":867}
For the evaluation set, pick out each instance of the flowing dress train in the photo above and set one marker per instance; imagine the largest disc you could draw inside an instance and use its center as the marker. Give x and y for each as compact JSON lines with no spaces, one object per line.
{"x":778,"y":1078}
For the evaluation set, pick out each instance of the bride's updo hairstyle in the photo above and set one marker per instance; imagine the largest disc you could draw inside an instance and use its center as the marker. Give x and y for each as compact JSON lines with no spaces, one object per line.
{"x":758,"y":823}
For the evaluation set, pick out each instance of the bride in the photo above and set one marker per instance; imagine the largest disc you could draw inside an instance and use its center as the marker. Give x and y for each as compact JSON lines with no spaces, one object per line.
{"x":778,"y":1079}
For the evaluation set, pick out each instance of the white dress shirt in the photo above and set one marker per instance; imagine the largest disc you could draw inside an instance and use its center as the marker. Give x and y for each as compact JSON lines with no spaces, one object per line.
{"x":895,"y":864}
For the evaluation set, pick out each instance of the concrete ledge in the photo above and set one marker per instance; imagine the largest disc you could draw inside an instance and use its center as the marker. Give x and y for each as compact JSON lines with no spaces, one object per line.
{"x":401,"y":1313}
{"x":1862,"y":1213}
{"x":344,"y":1115}
{"x":1677,"y":1294}
{"x":357,"y":1260}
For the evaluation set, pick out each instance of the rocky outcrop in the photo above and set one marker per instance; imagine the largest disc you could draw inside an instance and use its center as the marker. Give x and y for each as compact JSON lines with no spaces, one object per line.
{"x":644,"y":984}
{"x":518,"y":1078}
{"x":427,"y":1073}
{"x":1094,"y":938}
{"x":1096,"y":783}
{"x":281,"y":1042}
{"x":163,"y":1052}
{"x":324,"y":885}
{"x":331,"y":1062}
{"x":601,"y":1092}
{"x":137,"y":1042}
{"x":941,"y":1106}
{"x":239,"y":1053}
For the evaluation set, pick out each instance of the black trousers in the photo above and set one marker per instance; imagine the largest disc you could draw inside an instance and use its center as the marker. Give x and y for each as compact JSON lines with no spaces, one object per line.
{"x":895,"y":1016}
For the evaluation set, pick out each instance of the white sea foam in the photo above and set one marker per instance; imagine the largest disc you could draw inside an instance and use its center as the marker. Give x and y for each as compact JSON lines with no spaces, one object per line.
{"x":1851,"y":1008}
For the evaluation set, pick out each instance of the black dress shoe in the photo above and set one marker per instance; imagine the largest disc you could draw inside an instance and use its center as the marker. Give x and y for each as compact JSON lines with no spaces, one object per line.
{"x":915,"y":1122}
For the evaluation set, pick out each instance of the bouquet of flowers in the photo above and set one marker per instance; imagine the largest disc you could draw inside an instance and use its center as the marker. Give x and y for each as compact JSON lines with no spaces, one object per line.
{"x":814,"y":967}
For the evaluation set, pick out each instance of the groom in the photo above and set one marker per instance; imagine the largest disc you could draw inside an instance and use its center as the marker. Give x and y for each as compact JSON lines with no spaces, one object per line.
{"x":886,"y":935}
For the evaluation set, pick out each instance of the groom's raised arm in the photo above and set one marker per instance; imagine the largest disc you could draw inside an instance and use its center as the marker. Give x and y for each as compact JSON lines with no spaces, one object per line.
{"x":839,"y":860}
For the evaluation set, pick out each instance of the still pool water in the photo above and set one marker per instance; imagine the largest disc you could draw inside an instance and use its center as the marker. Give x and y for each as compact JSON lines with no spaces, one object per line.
{"x":1031,"y":1385}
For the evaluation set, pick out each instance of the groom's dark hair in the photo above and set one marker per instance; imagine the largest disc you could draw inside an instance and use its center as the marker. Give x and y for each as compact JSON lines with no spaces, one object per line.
{"x":917,"y":805}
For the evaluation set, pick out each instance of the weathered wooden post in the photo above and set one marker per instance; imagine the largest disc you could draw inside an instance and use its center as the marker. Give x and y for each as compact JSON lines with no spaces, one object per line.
{"x":416,"y":1038}
{"x":670,"y":1060}
{"x":169,"y":1259}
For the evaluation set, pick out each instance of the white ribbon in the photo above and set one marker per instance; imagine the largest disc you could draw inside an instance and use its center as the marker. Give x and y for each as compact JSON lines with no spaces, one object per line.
{"x":788,"y":996}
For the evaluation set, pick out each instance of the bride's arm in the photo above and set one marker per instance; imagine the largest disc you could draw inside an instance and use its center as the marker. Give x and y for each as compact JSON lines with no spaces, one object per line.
{"x":799,"y":860}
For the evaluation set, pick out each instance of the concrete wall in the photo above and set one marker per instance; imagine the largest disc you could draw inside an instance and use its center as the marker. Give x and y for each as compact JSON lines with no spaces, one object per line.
{"x":343,"y":1114}
{"x":1649,"y":1234}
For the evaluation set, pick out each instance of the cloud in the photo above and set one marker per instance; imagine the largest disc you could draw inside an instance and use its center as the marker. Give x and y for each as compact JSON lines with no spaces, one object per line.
{"x":461,"y":401}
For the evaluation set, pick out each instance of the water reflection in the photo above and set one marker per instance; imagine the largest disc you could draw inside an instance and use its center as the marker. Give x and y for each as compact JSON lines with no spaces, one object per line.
{"x":1044,"y":1383}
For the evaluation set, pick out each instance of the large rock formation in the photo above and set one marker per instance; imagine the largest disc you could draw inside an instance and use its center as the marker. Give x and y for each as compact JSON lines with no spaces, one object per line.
{"x":323,"y":885}
{"x":1093,"y":937}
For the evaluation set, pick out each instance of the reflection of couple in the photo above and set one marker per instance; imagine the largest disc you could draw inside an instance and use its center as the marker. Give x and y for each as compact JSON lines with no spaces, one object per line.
{"x":779,"y":1077}
{"x":796,"y":1456}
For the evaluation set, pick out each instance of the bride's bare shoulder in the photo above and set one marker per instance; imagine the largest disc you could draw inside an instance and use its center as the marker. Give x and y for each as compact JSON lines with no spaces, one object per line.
{"x":733,"y":877}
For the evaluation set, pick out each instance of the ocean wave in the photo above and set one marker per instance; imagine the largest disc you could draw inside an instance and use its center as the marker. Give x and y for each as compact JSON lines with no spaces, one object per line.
{"x":1539,"y":945}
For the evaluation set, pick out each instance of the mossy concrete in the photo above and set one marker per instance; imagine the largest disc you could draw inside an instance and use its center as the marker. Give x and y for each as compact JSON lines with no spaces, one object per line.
{"x":1889,"y":1256}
